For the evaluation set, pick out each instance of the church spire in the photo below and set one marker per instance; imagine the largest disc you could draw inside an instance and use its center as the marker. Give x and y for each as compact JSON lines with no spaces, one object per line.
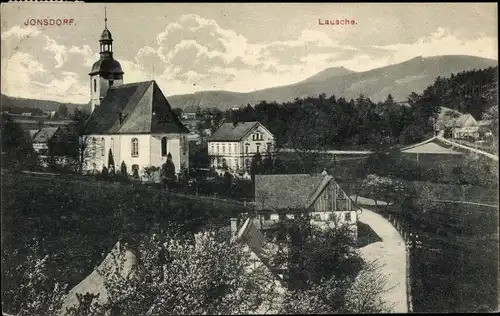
{"x":105,"y":19}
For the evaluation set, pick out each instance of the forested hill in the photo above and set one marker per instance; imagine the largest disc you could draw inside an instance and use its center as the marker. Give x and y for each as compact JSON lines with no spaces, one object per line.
{"x":471,"y":91}
{"x":400,"y":80}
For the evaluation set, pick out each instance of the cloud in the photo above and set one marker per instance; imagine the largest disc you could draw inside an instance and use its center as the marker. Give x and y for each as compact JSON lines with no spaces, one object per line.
{"x":443,"y":42}
{"x":194,"y":53}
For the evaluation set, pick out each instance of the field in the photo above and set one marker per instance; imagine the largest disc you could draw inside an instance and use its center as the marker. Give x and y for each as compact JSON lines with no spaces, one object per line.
{"x":78,"y":221}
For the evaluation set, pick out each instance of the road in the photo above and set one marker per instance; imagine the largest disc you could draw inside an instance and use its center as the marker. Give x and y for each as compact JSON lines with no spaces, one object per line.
{"x":391,"y":252}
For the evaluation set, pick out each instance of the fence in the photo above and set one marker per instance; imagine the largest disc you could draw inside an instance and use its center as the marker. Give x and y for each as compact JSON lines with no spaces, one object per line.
{"x":407,"y":240}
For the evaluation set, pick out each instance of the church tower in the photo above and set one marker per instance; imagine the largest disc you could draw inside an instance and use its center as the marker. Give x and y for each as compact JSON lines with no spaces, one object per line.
{"x":107,"y":71}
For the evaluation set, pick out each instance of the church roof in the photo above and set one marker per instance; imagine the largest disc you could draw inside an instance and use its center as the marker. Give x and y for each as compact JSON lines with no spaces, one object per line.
{"x":106,"y":35}
{"x":143,"y":108}
{"x":106,"y":66}
{"x":232,"y":132}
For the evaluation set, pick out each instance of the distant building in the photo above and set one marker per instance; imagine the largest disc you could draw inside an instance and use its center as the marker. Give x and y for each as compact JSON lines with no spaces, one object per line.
{"x":51,"y":114}
{"x":234,"y":145}
{"x":191,"y":112}
{"x":280,"y":196}
{"x":43,"y":137}
{"x":466,"y":127}
{"x":134,"y":121}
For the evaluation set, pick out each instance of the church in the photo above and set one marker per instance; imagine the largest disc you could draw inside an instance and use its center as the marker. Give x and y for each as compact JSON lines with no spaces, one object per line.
{"x":133,"y":122}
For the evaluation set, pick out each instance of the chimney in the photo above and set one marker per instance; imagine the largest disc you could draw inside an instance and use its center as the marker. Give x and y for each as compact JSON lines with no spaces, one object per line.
{"x":234,"y":226}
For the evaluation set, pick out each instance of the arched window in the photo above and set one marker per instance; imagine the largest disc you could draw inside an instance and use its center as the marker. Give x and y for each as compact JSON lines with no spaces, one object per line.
{"x":217,"y":148}
{"x":94,"y":147}
{"x":223,"y":149}
{"x":164,"y":147}
{"x":95,"y":85}
{"x":103,"y":147}
{"x":135,"y":147}
{"x":235,"y":150}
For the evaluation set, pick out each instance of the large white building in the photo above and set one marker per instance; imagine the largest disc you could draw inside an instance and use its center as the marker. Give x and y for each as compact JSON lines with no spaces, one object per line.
{"x":134,"y":122}
{"x":235,"y":144}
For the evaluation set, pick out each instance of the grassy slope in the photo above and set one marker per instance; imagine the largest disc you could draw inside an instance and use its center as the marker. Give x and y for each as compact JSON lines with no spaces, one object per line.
{"x":78,"y":220}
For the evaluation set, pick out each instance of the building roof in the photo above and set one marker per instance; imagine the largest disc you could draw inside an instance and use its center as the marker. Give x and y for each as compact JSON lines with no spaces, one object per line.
{"x":465,"y":120}
{"x":45,"y":134}
{"x":233,"y":132}
{"x":32,"y":132}
{"x":143,"y":108}
{"x":286,"y":191}
{"x":429,"y":147}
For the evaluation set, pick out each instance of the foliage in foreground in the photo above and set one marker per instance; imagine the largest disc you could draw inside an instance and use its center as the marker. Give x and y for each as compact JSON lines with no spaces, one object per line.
{"x":208,"y":274}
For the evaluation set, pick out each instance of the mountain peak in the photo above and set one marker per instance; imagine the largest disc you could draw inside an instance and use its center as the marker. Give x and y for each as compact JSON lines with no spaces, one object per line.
{"x":328,"y":73}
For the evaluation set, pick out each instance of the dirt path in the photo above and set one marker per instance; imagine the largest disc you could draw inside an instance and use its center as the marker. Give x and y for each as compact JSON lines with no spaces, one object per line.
{"x":391,"y":252}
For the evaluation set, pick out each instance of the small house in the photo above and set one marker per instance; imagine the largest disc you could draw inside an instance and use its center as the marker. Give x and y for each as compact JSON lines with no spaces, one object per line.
{"x":281,"y":196}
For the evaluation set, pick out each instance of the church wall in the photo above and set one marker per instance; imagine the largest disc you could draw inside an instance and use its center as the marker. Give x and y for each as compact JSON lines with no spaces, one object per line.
{"x":143,"y":159}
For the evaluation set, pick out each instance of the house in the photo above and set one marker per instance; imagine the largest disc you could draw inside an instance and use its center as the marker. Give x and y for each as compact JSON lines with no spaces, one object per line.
{"x":50,"y":114}
{"x":466,"y":127}
{"x":134,"y":121}
{"x":43,"y":138}
{"x":280,"y":196}
{"x":234,"y":145}
{"x":191,"y":112}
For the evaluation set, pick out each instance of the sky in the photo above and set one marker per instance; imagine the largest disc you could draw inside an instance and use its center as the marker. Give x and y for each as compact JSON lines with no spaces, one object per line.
{"x":189,"y":47}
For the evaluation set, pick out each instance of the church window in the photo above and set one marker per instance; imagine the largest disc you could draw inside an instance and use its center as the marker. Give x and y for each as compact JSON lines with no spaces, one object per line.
{"x":103,"y":148}
{"x":235,"y":150}
{"x":94,"y":147}
{"x":258,"y":147}
{"x":95,"y":85}
{"x":223,"y":149}
{"x":135,"y":147}
{"x":253,"y":136}
{"x":246,"y":149}
{"x":217,"y":148}
{"x":164,"y":147}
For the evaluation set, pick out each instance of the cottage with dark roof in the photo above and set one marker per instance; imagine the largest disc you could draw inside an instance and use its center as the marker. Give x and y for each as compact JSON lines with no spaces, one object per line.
{"x":283,"y":195}
{"x":133,"y":121}
{"x":233,"y":145}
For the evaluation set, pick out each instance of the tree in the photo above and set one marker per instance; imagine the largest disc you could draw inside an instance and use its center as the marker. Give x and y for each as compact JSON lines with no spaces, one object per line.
{"x":17,"y":149}
{"x":123,"y":169}
{"x":324,"y":271}
{"x":150,"y":172}
{"x":306,"y":138}
{"x":255,"y":166}
{"x":111,"y":162}
{"x":168,"y":171}
{"x":204,"y":273}
{"x":62,"y":111}
{"x":78,"y":141}
{"x":177,"y":111}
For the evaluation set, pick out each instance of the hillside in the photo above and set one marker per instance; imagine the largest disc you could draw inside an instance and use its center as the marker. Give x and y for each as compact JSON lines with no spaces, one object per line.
{"x":44,"y":105}
{"x":400,"y":80}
